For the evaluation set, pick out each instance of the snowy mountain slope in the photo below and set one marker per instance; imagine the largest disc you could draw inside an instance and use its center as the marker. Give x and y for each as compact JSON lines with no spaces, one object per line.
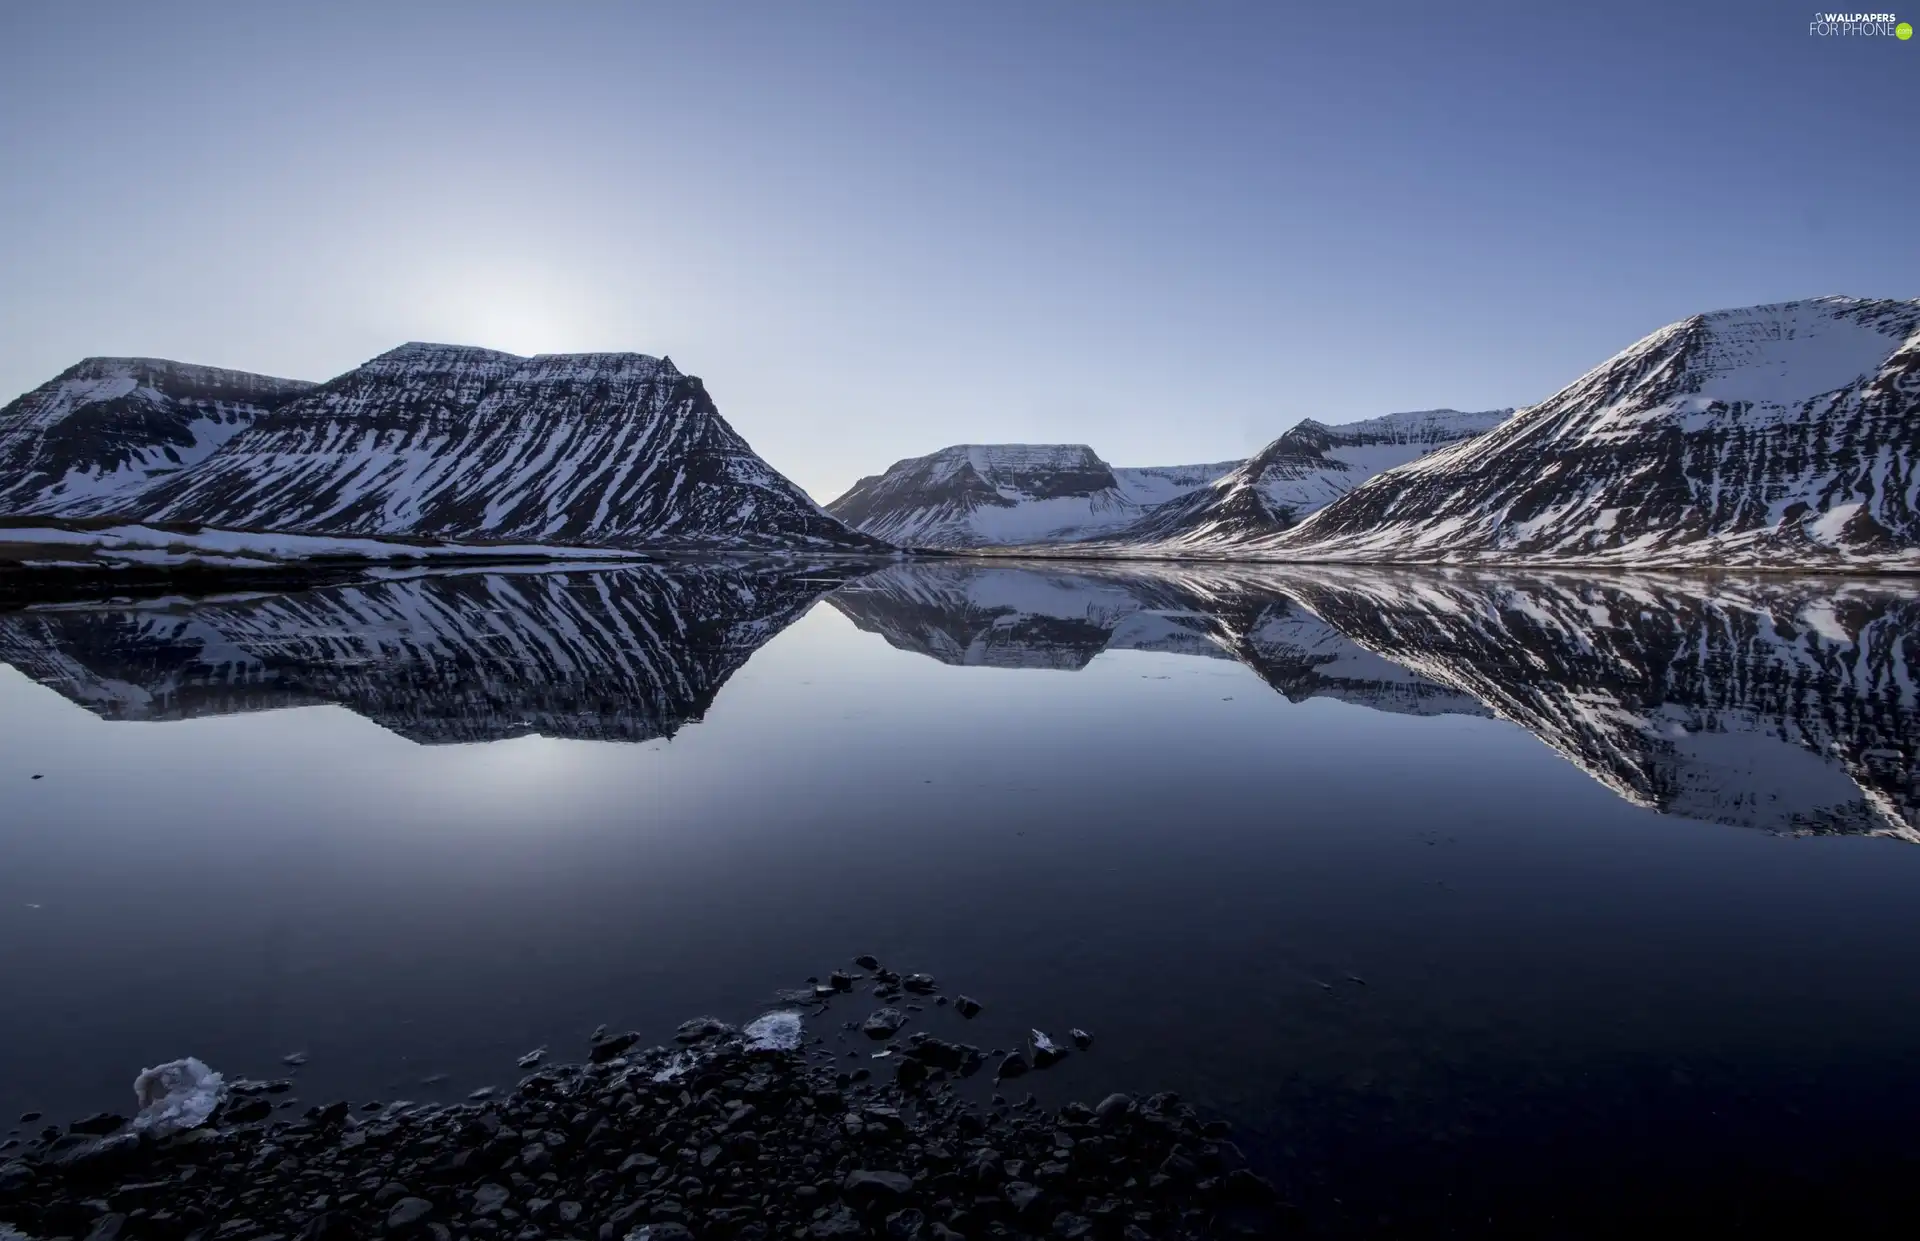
{"x":626,"y":654}
{"x":979,"y":495}
{"x":1298,"y":474}
{"x":106,"y":428}
{"x":1785,"y":434}
{"x":443,"y":441}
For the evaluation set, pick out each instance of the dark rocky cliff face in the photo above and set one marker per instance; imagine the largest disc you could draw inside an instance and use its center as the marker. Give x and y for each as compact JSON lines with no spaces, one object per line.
{"x":107,"y":428}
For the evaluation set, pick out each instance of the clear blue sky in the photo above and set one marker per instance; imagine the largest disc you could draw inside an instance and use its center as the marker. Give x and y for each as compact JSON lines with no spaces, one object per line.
{"x":1166,"y":229}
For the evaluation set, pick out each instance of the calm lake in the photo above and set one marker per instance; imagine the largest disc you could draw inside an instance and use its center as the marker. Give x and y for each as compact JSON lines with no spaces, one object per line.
{"x":1466,"y":897}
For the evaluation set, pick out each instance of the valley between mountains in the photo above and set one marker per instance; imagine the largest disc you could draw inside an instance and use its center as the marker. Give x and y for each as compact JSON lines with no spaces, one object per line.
{"x":1774,"y":436}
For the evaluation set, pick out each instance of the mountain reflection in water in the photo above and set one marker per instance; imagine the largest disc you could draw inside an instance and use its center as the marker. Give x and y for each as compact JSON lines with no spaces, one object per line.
{"x":1779,"y":703}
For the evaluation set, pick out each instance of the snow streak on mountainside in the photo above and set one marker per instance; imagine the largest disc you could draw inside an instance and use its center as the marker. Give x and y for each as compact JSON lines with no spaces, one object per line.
{"x":615,"y":449}
{"x":626,"y":654}
{"x":1775,"y":435}
{"x":983,"y":495}
{"x":105,"y":429}
{"x":1298,"y":474}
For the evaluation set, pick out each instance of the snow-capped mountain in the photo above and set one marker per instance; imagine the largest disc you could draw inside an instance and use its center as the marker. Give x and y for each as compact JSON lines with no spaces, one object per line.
{"x":1786,"y":434}
{"x":987,"y":495}
{"x":1302,"y":472}
{"x":605,"y":449}
{"x":107,"y":428}
{"x":627,"y":654}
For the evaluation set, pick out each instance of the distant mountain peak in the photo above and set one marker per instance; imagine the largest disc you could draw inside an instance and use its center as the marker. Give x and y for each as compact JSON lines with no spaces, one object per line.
{"x":975,"y":495}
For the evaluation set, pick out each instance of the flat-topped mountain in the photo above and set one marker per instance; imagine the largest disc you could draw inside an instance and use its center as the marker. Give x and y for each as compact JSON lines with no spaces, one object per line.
{"x":1786,"y":434}
{"x":1303,"y":471}
{"x":982,"y":495}
{"x":444,"y":441}
{"x":105,"y":429}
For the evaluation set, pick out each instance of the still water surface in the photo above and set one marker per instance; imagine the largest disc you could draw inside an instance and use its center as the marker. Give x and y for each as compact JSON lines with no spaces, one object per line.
{"x":1464,"y":896}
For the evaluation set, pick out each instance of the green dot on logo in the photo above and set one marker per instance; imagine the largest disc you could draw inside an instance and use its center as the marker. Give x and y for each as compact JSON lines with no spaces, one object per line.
{"x":1903,"y":31}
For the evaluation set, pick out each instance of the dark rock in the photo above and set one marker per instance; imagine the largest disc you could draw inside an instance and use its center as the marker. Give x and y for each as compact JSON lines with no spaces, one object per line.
{"x":27,"y":1118}
{"x":884,"y":1023}
{"x":98,"y":1125}
{"x":245,"y":1111}
{"x":1081,"y":1038}
{"x":701,"y":1029}
{"x":840,"y":980}
{"x":109,"y":1227}
{"x":838,"y":1222}
{"x":1013,"y":1066}
{"x":609,"y":1048}
{"x":919,"y":984}
{"x":907,"y":1225}
{"x":867,"y":962}
{"x":1114,"y":1107}
{"x":1072,"y":1227}
{"x":329,"y":1226}
{"x":1046,"y":1053}
{"x":1021,"y":1196}
{"x":864,"y":1186}
{"x":489,"y":1199}
{"x":408,"y":1213}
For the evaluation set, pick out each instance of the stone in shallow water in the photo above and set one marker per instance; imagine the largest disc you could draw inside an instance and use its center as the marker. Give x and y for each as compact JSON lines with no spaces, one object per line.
{"x":775,"y":1031}
{"x":884,"y":1023}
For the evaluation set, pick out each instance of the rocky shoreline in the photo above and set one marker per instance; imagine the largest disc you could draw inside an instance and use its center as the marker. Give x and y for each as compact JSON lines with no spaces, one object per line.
{"x":795,"y":1126}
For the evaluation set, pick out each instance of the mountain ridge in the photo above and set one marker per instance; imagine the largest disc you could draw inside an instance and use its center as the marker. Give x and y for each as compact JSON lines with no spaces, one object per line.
{"x":977,"y":495}
{"x":1786,"y":433}
{"x":106,"y":428}
{"x":450,"y":441}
